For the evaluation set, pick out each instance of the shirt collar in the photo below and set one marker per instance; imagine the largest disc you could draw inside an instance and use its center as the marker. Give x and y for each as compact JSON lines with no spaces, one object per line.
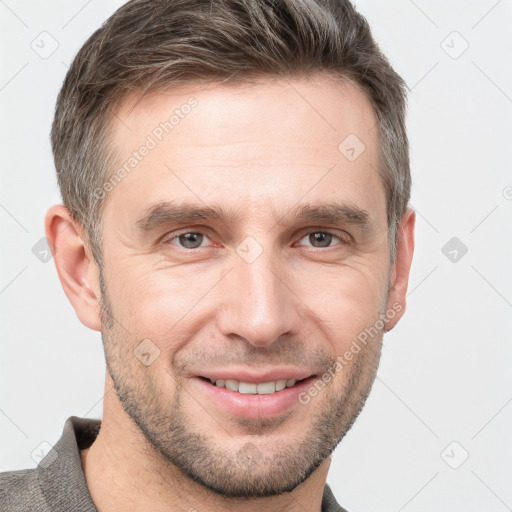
{"x":60,"y":474}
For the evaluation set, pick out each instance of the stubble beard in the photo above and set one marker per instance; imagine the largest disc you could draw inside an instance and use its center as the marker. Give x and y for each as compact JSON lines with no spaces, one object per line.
{"x":253,"y":470}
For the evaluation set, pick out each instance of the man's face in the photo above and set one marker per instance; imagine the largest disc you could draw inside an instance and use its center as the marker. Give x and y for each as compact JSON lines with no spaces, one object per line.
{"x":275,"y":287}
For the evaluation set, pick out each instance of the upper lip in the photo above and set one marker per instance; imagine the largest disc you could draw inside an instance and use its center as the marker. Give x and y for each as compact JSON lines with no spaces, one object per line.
{"x":257,"y":377}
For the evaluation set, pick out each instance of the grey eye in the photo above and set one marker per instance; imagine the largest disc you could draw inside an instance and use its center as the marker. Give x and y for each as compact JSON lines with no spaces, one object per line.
{"x":190,"y":240}
{"x":320,"y":239}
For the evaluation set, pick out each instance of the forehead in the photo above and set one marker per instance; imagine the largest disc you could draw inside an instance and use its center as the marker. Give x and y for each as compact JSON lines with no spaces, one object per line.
{"x":321,"y":110}
{"x":258,"y":143}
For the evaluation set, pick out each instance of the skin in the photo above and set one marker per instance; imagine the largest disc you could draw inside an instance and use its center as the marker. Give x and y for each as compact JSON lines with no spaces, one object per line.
{"x":259,"y":150}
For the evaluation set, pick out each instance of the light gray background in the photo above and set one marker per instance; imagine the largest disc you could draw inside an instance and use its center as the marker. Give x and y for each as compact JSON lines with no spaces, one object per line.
{"x":445,"y":373}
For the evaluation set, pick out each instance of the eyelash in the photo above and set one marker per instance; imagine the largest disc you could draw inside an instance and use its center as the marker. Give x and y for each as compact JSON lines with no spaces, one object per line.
{"x":168,"y":240}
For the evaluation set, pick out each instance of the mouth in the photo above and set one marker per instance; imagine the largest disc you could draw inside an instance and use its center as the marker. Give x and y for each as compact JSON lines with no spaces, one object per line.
{"x":254,"y":388}
{"x":250,"y":396}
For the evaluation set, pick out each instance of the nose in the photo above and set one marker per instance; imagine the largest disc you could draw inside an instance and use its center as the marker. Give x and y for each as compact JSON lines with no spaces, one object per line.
{"x":260,"y":305}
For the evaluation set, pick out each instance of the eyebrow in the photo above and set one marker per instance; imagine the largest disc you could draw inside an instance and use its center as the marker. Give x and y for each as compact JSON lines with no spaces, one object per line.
{"x":168,"y":212}
{"x":331,"y":213}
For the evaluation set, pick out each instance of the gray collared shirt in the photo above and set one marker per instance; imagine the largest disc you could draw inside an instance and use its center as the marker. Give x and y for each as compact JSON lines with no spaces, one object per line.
{"x":58,"y":483}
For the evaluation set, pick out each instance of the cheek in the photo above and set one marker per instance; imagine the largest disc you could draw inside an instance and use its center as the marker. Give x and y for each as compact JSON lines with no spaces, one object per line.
{"x":347,"y":313}
{"x":345,"y":297}
{"x":162,"y":304}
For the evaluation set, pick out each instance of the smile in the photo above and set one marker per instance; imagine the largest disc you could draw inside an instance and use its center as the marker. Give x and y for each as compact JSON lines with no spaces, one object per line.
{"x":252,"y":388}
{"x":250,"y":396}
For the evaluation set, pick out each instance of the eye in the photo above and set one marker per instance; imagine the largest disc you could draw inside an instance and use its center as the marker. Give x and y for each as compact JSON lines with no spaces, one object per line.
{"x":188,"y":240}
{"x":319,"y":239}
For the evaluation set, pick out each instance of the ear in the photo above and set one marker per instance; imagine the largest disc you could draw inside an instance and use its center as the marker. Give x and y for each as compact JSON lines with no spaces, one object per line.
{"x":78,"y":271}
{"x":401,"y":267}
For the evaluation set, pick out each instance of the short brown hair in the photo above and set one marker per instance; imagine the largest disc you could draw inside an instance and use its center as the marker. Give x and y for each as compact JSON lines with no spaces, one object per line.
{"x":148,"y":45}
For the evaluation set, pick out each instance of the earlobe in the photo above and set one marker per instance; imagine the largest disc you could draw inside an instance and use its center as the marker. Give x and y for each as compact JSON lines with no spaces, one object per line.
{"x":401,"y":268}
{"x":78,"y":271}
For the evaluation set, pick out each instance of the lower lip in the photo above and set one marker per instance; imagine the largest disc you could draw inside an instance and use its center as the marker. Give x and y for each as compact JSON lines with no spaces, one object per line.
{"x":254,"y":406}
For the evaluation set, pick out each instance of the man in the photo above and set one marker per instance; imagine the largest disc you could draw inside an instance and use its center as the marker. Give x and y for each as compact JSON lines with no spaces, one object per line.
{"x":235,"y":181}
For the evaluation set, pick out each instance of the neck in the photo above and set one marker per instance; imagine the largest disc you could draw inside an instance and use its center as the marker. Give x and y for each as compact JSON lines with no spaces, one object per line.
{"x":125,"y":472}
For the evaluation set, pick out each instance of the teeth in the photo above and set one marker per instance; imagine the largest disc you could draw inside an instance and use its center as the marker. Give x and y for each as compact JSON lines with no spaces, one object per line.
{"x":247,"y":389}
{"x":266,"y":388}
{"x":232,"y":385}
{"x":250,"y":388}
{"x":280,"y":385}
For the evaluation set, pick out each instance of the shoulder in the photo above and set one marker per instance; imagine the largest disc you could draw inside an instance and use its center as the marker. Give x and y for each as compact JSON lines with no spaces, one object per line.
{"x":58,"y":483}
{"x":20,"y":492}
